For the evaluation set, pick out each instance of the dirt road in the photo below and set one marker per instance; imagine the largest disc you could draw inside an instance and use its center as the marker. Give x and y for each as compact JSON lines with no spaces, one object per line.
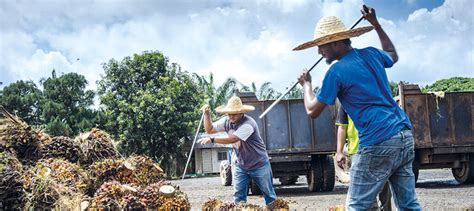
{"x":436,"y":189}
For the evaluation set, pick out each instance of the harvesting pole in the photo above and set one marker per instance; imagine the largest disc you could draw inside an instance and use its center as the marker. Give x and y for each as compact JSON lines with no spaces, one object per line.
{"x":192,"y":147}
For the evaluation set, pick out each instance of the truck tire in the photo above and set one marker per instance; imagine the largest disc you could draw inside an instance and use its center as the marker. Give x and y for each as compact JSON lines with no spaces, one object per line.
{"x":465,"y":174}
{"x":288,"y":180}
{"x":329,"y":174}
{"x":314,"y":176}
{"x":225,"y":173}
{"x":254,"y":188}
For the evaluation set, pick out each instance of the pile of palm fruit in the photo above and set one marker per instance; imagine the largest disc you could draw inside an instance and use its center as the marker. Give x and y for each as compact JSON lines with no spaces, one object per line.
{"x":12,"y":193}
{"x":40,"y":172}
{"x":213,"y":204}
{"x":62,"y":147}
{"x":21,"y":139}
{"x":96,"y":145}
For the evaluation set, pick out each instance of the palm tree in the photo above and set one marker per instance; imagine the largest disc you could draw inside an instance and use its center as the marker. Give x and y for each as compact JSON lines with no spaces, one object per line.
{"x":215,"y":95}
{"x":264,"y":92}
{"x":245,"y":88}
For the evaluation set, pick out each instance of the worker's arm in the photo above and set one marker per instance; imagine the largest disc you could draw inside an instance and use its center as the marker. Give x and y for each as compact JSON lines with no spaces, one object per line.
{"x":241,"y":134}
{"x":341,"y":122}
{"x":312,"y":105}
{"x":341,"y":140}
{"x":227,"y":140}
{"x":387,"y":45}
{"x":207,"y":120}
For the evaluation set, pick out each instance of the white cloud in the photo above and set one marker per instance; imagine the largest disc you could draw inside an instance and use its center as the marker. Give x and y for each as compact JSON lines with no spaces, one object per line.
{"x":435,"y":45}
{"x":248,"y":40}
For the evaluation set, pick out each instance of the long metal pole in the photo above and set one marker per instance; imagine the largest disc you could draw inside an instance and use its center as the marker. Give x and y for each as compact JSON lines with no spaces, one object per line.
{"x":288,"y":90}
{"x":194,"y":142}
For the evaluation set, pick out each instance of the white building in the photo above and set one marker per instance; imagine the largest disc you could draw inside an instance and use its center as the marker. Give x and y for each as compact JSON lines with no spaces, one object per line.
{"x":209,"y":156}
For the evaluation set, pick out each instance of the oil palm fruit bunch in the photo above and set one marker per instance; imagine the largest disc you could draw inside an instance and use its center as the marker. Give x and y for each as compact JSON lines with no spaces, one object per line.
{"x":105,"y":169}
{"x":211,"y":204}
{"x":145,"y":170}
{"x":109,"y":170}
{"x":132,"y":202}
{"x":169,"y":197}
{"x":150,"y":195}
{"x":95,"y":145}
{"x":62,"y":147}
{"x":248,"y":207}
{"x":17,"y":136}
{"x":55,"y":183}
{"x":43,"y":192}
{"x":278,"y":204}
{"x":65,"y":173}
{"x":110,"y":195}
{"x":12,"y":194}
{"x":176,"y":201}
{"x":225,"y":206}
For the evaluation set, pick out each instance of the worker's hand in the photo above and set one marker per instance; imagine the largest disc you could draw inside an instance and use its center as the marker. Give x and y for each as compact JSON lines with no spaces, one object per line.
{"x":205,"y":109}
{"x":369,"y":15}
{"x":340,"y":159}
{"x":305,"y":77}
{"x":204,"y":140}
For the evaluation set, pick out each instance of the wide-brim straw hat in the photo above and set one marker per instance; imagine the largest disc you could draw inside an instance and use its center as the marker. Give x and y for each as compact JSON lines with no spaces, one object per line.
{"x":234,"y":106}
{"x":331,"y":29}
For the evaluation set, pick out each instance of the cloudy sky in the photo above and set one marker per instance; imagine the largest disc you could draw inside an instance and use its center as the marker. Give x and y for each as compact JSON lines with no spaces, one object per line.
{"x":248,"y":40}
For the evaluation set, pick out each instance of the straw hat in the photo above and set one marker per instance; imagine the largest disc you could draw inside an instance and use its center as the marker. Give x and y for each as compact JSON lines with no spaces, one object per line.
{"x":234,"y":106}
{"x":330,"y":29}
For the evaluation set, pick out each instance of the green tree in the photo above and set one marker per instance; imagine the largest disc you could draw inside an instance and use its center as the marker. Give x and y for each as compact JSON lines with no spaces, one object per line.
{"x":454,"y":84}
{"x":264,"y":92}
{"x":295,"y":93}
{"x":394,"y":88}
{"x":66,"y":105}
{"x":215,"y":95}
{"x":154,"y":105}
{"x":22,"y":98}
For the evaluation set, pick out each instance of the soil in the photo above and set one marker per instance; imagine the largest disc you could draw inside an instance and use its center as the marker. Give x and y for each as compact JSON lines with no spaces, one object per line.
{"x":436,"y":189}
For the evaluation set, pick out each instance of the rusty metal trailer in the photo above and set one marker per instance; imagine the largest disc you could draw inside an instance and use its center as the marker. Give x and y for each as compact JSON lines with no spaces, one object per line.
{"x":443,"y":130}
{"x":297,"y":145}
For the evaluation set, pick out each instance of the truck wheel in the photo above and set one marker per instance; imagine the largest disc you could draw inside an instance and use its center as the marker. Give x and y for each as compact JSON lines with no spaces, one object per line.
{"x":288,"y":180}
{"x":465,"y":174}
{"x":225,"y":173}
{"x":329,"y":174}
{"x":314,"y":177}
{"x":254,"y":188}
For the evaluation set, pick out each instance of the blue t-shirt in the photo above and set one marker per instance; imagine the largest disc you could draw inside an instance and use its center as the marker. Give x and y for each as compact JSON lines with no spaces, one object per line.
{"x":360,"y":82}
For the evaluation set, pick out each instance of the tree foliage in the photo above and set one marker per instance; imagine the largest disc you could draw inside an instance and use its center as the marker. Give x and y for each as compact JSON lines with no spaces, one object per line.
{"x":264,"y":92}
{"x":215,"y":95}
{"x":153,"y":104}
{"x":22,"y":98}
{"x":66,"y":105}
{"x":454,"y":84}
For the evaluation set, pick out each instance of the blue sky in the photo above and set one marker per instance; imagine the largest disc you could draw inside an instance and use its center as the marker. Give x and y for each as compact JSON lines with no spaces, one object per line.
{"x":248,"y":40}
{"x":398,"y":10}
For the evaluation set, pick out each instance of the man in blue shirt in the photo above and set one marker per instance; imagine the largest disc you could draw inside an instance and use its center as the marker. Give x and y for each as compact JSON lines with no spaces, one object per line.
{"x":358,"y":79}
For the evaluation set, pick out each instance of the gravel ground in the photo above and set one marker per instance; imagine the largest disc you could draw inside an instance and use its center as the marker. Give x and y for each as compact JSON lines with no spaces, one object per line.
{"x":436,"y":190}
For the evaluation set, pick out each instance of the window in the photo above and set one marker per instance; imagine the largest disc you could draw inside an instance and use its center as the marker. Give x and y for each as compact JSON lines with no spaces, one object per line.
{"x":221,"y":155}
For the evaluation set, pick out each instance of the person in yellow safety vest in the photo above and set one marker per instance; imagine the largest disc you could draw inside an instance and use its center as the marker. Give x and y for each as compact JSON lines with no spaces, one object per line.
{"x":347,"y":130}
